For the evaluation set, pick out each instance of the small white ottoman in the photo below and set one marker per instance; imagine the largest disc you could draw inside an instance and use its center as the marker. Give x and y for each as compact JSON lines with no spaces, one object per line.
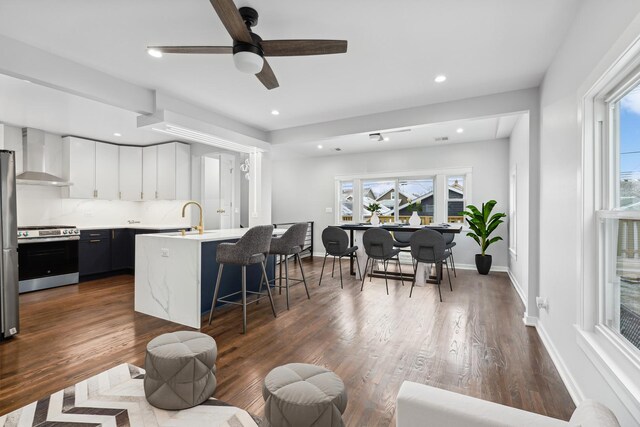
{"x":303,"y":395}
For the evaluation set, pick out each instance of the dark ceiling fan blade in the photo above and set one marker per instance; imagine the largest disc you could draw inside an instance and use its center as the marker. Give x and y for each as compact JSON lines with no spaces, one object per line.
{"x":192,"y":49}
{"x":267,"y":77}
{"x":232,"y":21}
{"x":302,"y":47}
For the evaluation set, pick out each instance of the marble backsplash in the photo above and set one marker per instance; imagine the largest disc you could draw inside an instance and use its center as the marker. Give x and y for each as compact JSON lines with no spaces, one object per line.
{"x":39,"y":205}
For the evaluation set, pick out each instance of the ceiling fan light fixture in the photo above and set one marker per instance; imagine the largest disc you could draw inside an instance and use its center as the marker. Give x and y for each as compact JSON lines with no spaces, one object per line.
{"x":248,"y":62}
{"x":155,"y":53}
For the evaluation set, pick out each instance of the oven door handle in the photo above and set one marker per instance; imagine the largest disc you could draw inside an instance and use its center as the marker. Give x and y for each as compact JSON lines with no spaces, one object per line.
{"x":49,"y":239}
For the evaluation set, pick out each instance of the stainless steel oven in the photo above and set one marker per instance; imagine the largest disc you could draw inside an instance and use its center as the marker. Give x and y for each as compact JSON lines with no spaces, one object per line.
{"x":47,"y":257}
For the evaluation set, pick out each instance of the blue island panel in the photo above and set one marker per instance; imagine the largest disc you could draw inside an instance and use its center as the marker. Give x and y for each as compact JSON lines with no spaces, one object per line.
{"x":231,"y":276}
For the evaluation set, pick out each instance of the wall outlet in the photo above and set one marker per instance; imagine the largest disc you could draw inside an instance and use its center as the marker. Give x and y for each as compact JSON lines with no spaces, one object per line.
{"x":328,"y":210}
{"x":542,"y":303}
{"x":164,"y":252}
{"x":13,"y":331}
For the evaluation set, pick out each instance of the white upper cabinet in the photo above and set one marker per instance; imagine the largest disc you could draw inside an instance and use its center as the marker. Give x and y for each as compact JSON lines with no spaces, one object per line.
{"x":111,"y":172}
{"x":79,"y":167}
{"x":130,"y":176}
{"x":173,"y":171}
{"x":92,"y":168}
{"x":150,"y":173}
{"x":106,"y":171}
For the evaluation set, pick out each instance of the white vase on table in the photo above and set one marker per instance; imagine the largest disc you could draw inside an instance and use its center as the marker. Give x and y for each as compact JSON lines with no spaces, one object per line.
{"x":375,"y":220}
{"x":415,"y":220}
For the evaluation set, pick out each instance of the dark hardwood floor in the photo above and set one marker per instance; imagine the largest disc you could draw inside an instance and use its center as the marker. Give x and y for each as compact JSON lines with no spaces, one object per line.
{"x":473,"y":343}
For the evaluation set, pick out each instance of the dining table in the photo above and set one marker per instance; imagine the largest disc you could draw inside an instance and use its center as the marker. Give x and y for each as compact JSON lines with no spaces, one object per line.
{"x":352,"y":228}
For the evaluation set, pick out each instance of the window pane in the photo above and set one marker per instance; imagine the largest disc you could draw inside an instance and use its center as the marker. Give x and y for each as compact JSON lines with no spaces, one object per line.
{"x":628,"y":132}
{"x":456,"y":187}
{"x":416,"y":194}
{"x":384,"y":194}
{"x":455,"y":197}
{"x":346,"y":200}
{"x":622,"y":278}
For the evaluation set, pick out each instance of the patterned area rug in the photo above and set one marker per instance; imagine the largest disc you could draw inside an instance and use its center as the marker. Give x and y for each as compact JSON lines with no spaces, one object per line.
{"x":115,"y":398}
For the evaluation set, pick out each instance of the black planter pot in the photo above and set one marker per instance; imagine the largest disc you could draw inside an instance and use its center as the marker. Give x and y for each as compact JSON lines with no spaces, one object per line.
{"x":483,"y":263}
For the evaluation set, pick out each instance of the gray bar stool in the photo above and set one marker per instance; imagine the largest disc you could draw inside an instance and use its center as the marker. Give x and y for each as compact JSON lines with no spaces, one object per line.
{"x":251,"y":249}
{"x":428,"y":247}
{"x":379,"y":246}
{"x":290,"y":244}
{"x":336,"y":244}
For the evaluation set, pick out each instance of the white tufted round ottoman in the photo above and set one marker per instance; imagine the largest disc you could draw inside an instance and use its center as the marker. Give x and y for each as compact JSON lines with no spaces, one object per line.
{"x":180,"y":370}
{"x":303,"y":395}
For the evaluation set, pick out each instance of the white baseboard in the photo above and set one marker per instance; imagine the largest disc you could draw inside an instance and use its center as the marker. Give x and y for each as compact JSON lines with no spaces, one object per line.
{"x":517,"y":287}
{"x":569,"y":382}
{"x":530,"y":320}
{"x":496,"y":268}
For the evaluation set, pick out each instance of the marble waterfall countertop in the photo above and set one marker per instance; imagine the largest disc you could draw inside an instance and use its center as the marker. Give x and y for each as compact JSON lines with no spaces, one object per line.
{"x":210,"y":235}
{"x":175,"y":274}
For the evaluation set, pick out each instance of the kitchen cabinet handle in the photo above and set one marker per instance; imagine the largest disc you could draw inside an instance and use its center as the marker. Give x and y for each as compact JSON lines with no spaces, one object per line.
{"x":95,"y":241}
{"x":94,"y":234}
{"x":120,"y":195}
{"x":113,"y":234}
{"x":95,"y":193}
{"x":156,"y":194}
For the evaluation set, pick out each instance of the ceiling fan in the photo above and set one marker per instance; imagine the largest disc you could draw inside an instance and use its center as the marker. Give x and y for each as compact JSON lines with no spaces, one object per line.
{"x":249,"y":50}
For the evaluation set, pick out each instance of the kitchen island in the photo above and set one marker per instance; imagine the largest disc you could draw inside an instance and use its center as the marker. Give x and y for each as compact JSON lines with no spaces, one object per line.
{"x":175,"y":274}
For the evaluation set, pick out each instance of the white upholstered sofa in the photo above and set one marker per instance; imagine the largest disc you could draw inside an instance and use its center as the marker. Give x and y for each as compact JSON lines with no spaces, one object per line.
{"x":420,"y":405}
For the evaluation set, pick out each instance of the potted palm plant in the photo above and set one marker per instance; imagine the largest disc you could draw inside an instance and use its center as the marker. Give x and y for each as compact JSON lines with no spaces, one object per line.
{"x":482,"y":224}
{"x":374,"y":208}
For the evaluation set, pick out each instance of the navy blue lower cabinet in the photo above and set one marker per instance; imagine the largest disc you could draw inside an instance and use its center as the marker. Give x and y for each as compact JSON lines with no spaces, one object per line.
{"x":94,"y":256}
{"x":231,"y":276}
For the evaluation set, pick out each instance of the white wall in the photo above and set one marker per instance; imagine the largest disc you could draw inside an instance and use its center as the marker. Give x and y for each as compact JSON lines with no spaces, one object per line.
{"x":519,"y":164}
{"x":304,"y":188}
{"x":596,"y":28}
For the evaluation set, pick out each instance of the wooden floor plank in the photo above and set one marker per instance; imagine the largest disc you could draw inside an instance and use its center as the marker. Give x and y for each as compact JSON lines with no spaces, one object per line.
{"x":474,"y":342}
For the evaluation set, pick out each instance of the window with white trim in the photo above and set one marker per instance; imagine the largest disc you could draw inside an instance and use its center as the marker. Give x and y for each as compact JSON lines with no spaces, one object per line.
{"x":619,"y":221}
{"x":455,"y":198}
{"x":435,"y":196}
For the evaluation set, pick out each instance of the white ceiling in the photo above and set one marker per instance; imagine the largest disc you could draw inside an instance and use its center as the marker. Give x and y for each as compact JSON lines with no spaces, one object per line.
{"x":395,"y":50}
{"x":475,"y":130}
{"x":26,"y":104}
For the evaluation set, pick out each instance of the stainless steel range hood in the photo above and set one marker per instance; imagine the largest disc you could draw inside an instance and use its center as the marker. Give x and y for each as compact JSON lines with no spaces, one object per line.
{"x":33,"y":160}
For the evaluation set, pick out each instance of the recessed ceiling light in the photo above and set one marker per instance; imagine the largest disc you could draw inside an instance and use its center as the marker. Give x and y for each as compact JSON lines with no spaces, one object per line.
{"x":155,"y":53}
{"x":459,"y":130}
{"x":386,"y":138}
{"x":319,"y":147}
{"x":117,"y":134}
{"x":275,"y":112}
{"x":441,"y":78}
{"x":26,"y":81}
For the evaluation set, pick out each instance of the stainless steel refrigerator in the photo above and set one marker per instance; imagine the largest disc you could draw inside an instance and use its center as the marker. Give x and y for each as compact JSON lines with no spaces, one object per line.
{"x":9,"y":242}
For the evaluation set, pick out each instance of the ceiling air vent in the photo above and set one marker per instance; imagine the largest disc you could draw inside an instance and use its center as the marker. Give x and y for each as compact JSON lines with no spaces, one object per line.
{"x":441,"y":138}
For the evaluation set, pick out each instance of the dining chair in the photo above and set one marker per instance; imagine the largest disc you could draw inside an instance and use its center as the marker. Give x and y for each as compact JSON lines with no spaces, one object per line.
{"x":379,"y":246}
{"x":449,"y":244}
{"x":336,"y":244}
{"x":428,"y":247}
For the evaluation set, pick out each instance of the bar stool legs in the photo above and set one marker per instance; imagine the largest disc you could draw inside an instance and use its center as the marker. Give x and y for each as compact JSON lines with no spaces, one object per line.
{"x":304,"y":280}
{"x":215,"y":293}
{"x":266,"y":279}
{"x":263,"y":278}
